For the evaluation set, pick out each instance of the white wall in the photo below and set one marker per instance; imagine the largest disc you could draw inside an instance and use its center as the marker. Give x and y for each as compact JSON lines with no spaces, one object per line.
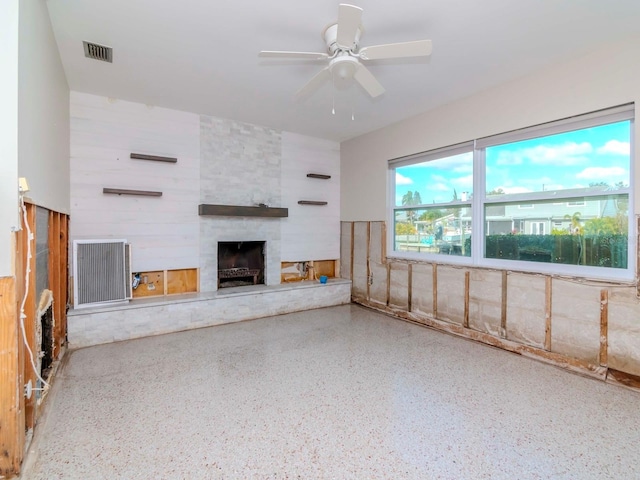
{"x":43,"y":121}
{"x":310,"y":232}
{"x":604,"y":78}
{"x":163,"y":231}
{"x":219,"y":161}
{"x":8,"y":133}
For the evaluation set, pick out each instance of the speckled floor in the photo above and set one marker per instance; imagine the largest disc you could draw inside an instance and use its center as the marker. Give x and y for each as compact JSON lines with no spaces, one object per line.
{"x":336,"y":393}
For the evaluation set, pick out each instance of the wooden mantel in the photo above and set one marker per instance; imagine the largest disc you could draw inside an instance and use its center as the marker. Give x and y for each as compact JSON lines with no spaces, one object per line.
{"x":242,"y":211}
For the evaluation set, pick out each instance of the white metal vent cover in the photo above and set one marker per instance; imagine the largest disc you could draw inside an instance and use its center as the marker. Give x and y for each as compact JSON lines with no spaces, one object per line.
{"x":98,"y":52}
{"x":101,"y":271}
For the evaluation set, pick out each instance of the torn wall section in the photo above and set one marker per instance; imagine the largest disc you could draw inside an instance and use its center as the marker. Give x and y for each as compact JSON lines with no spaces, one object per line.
{"x":589,"y":327}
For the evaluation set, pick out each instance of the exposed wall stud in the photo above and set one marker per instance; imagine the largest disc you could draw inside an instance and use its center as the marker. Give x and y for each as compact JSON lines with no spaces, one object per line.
{"x":604,"y":327}
{"x":466,"y":299}
{"x":435,"y":289}
{"x":353,"y":231}
{"x":503,"y":307}
{"x":409,"y":288}
{"x":388,"y":283}
{"x":547,"y":313}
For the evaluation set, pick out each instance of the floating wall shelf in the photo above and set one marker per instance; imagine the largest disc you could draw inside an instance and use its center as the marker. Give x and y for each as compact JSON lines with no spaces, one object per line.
{"x":310,"y":202}
{"x":121,"y":191}
{"x":153,"y":158}
{"x":242,"y":211}
{"x":318,"y":175}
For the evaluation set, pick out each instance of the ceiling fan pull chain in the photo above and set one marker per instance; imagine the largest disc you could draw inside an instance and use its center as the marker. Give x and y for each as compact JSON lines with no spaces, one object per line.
{"x":333,"y":96}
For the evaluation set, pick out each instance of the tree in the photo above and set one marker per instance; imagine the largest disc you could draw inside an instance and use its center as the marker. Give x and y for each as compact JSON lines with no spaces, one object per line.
{"x":405,"y":228}
{"x":496,"y":191}
{"x":411,"y":198}
{"x":576,"y":225}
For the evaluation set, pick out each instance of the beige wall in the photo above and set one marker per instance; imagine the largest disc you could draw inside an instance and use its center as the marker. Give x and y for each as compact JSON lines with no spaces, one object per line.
{"x":604,"y":78}
{"x":43,"y":99}
{"x":8,"y":132}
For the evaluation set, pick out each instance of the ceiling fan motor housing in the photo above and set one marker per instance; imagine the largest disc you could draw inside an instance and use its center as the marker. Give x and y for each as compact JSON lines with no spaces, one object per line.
{"x":330,"y":36}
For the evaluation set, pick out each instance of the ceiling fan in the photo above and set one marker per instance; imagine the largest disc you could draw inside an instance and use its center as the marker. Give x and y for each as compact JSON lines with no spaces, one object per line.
{"x":345,"y":56}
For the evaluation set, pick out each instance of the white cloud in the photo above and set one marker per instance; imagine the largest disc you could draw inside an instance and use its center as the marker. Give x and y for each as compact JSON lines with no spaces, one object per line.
{"x":602,"y":173}
{"x":402,"y":180}
{"x":462,"y":162}
{"x":570,"y":153}
{"x":440,"y":187}
{"x":466,"y":181}
{"x":615,"y":147}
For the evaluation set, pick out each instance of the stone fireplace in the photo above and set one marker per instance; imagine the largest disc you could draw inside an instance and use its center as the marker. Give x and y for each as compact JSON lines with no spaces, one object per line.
{"x":241,"y":263}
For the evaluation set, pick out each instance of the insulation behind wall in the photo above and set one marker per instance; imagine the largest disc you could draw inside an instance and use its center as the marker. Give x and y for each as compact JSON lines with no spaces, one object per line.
{"x":360,"y":260}
{"x":526,"y":309}
{"x":485,"y":301}
{"x":575,"y":319}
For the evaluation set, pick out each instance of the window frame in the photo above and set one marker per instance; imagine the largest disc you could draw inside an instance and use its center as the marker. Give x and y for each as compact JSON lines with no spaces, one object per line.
{"x":480,"y":201}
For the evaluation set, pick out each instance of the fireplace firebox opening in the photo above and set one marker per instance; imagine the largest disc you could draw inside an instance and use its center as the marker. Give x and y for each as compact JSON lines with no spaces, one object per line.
{"x":240,"y":264}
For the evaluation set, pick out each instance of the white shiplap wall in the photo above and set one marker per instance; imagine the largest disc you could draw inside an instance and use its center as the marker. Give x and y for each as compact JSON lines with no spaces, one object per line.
{"x":310,"y":232}
{"x":164,"y":231}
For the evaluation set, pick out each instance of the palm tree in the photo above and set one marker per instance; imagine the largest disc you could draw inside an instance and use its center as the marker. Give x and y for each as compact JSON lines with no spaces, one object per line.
{"x":577,"y":229}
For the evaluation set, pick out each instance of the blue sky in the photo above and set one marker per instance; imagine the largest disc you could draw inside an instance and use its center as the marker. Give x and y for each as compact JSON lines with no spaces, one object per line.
{"x":567,"y":160}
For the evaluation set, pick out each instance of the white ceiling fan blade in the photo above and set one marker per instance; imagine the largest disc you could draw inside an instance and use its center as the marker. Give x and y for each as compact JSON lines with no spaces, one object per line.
{"x":365,"y":78}
{"x":418,"y":48}
{"x":284,"y":54}
{"x":314,"y":84}
{"x":349,"y":17}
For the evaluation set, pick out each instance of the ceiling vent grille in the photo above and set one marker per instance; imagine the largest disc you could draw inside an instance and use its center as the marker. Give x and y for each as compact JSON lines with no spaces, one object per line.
{"x":98,"y":52}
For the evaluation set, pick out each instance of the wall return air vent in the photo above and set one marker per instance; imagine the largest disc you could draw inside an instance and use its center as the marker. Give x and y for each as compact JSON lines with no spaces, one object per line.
{"x":98,"y":52}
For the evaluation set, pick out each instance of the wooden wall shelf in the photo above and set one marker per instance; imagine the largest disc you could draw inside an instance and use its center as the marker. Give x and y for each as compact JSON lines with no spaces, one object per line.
{"x":153,"y":158}
{"x":121,"y":191}
{"x":242,"y":211}
{"x":311,"y":202}
{"x":319,"y":176}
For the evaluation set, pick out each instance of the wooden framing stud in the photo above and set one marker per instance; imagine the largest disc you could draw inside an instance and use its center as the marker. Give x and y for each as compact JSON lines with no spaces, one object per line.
{"x":547,"y":313}
{"x":434,"y":276}
{"x":503,"y":306}
{"x":11,"y":415}
{"x":604,"y":327}
{"x":466,"y":299}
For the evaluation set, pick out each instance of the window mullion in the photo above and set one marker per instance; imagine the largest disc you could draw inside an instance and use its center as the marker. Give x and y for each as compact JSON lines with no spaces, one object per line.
{"x":477,"y":206}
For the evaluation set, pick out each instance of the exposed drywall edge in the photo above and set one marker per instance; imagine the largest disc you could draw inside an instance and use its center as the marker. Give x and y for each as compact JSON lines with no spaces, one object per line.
{"x":9,"y":220}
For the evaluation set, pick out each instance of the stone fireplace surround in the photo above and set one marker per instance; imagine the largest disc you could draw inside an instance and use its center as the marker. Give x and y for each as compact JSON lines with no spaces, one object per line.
{"x":243,"y":165}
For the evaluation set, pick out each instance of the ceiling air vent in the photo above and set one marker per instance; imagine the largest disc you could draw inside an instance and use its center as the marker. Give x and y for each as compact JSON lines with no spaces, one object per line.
{"x":98,"y":52}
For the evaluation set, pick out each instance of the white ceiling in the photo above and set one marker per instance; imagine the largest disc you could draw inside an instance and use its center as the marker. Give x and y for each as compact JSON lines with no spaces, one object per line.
{"x":202,"y":55}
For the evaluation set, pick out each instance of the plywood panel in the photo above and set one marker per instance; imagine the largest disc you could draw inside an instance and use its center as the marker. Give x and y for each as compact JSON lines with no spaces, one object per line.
{"x":11,"y":415}
{"x":324,"y":267}
{"x":182,"y":281}
{"x":151,"y":284}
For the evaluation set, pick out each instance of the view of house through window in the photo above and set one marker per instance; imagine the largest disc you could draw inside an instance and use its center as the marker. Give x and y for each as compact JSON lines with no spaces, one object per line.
{"x":555,"y":195}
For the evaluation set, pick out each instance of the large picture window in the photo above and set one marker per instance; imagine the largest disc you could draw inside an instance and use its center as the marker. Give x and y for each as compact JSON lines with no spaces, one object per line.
{"x":552,"y":198}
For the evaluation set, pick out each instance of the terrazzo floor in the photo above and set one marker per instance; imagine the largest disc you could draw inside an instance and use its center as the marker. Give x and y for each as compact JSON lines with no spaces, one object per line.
{"x":334,"y":393}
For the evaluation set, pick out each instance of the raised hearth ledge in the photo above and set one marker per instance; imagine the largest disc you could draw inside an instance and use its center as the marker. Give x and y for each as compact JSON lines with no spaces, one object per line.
{"x":155,"y":316}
